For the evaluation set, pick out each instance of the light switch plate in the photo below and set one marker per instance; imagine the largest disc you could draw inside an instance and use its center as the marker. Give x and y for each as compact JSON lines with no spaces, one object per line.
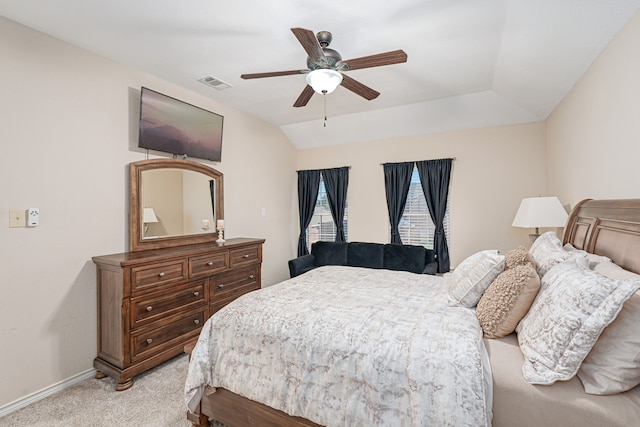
{"x":17,"y":218}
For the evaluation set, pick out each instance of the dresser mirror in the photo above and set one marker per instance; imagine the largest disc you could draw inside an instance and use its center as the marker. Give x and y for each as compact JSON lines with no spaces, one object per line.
{"x":173,"y":202}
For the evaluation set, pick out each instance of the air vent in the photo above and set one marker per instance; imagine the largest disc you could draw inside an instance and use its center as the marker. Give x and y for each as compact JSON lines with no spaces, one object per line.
{"x":214,"y":82}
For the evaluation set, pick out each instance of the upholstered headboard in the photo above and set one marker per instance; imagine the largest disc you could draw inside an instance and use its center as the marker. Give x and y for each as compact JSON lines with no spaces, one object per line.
{"x":607,"y":227}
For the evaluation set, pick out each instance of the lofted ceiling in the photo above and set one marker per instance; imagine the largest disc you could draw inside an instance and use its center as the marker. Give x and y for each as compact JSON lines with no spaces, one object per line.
{"x":471,"y":63}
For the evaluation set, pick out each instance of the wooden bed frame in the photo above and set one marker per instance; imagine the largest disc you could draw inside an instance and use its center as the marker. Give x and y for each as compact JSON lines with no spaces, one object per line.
{"x":604,"y":227}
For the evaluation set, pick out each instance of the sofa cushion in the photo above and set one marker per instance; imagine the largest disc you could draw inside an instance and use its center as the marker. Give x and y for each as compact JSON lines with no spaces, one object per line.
{"x":369,"y":255}
{"x":329,"y":253}
{"x":404,"y":258}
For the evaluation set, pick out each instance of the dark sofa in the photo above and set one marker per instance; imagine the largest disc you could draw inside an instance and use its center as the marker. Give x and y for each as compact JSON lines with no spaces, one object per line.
{"x":415,"y":259}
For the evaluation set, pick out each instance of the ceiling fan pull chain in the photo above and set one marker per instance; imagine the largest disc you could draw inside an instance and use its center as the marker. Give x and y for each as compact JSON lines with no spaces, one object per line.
{"x":325,"y":109}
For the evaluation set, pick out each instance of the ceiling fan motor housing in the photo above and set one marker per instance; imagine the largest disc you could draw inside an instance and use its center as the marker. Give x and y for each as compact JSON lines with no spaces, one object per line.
{"x":332,"y":56}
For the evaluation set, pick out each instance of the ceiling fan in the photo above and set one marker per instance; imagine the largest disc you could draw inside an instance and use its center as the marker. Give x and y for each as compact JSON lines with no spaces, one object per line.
{"x":326,"y":67}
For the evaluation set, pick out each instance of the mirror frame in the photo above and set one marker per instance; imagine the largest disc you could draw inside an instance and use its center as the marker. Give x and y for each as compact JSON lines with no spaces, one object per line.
{"x":136,"y":242}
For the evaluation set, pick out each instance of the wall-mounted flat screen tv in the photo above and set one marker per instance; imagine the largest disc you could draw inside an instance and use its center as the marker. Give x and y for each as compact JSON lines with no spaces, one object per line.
{"x":173,"y":126}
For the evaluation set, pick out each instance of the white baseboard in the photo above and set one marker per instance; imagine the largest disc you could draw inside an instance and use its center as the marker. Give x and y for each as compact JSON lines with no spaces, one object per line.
{"x":45,"y":392}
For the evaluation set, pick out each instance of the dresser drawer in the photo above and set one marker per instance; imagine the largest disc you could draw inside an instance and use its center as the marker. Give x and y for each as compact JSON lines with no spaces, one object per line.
{"x":207,"y":264}
{"x":148,"y":308}
{"x":226,"y":287}
{"x":228,"y":297}
{"x":246,"y":255}
{"x":175,"y":333}
{"x":156,"y":275}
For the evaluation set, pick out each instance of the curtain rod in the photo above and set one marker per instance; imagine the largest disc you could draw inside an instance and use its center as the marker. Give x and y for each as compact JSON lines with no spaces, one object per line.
{"x":443,"y":158}
{"x":339,"y":167}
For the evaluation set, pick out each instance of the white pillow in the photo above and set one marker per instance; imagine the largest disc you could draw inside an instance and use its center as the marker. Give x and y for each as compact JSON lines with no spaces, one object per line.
{"x":613,"y":365}
{"x":547,"y":251}
{"x":473,"y":276}
{"x":572,"y":308}
{"x":592,"y":258}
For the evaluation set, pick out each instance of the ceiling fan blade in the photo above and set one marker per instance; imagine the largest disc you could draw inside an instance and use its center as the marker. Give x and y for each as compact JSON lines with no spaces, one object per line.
{"x":272,"y":74}
{"x":304,"y":97}
{"x":310,"y":44}
{"x":378,"y":60}
{"x":359,"y":88}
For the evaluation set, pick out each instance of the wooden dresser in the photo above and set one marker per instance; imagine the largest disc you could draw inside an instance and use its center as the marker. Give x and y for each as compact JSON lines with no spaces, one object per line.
{"x":151,"y":303}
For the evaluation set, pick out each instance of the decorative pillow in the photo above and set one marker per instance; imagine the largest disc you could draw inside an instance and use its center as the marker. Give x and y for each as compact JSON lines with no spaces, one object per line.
{"x":507,"y":300}
{"x":614,"y":271}
{"x":547,"y":251}
{"x":518,"y":256}
{"x":473,"y":276}
{"x":592,"y":258}
{"x":613,"y":365}
{"x":572,"y":308}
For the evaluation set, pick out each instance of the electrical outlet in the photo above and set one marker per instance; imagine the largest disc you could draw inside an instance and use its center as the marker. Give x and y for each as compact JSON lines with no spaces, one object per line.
{"x":17,"y":218}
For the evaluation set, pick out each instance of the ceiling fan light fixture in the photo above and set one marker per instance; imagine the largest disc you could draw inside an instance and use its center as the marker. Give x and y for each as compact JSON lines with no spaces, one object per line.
{"x":324,"y":80}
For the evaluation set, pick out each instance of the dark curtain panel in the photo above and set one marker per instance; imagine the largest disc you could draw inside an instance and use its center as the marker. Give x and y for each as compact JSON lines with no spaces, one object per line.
{"x":308,"y":185}
{"x":336,"y":181}
{"x":212,"y":190}
{"x":397,"y":180}
{"x":434,"y":177}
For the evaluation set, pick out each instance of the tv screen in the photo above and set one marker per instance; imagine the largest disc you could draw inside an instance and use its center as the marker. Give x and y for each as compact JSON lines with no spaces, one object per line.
{"x":176,"y":127}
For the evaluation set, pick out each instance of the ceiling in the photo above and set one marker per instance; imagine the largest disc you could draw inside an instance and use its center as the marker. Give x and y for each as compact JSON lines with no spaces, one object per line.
{"x":471,"y":63}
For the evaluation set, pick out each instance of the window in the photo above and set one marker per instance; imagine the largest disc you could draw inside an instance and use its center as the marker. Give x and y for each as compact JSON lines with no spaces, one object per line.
{"x":321,"y":226}
{"x":416,"y":226}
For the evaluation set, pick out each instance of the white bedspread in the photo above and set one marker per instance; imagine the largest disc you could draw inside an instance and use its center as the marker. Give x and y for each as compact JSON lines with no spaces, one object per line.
{"x":346,"y":346}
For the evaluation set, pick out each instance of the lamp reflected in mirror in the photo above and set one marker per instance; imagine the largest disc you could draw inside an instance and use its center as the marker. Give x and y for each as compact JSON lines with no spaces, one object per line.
{"x":148,"y":217}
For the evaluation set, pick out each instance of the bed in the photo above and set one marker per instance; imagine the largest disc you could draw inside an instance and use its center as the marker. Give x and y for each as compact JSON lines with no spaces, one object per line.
{"x":490,"y":388}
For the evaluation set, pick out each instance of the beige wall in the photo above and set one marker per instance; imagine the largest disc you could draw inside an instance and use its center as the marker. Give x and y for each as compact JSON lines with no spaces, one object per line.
{"x":68,"y":131}
{"x":593,"y":137}
{"x":494,"y":169}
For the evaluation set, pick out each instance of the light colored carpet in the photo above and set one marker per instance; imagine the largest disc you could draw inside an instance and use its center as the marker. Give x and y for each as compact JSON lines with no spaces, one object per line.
{"x":155,"y":400}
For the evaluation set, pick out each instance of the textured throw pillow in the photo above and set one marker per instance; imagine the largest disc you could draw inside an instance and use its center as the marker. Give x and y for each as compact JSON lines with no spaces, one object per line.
{"x":547,"y":251}
{"x":507,"y":300}
{"x":613,"y":365}
{"x":572,"y":308}
{"x":473,"y":276}
{"x":518,"y":256}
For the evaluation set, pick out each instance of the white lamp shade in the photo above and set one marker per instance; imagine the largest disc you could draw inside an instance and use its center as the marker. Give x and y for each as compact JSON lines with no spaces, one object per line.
{"x":537,"y":212}
{"x":148,"y":215}
{"x":324,"y":80}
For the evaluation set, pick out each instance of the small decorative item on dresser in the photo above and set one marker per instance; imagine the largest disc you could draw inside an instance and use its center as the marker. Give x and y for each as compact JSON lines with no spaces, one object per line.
{"x":220,"y":227}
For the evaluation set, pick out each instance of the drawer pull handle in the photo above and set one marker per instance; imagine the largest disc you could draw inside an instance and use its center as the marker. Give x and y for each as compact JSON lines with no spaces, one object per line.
{"x":195,"y":294}
{"x":161,"y":274}
{"x":149,"y":340}
{"x":245,"y":256}
{"x":210,"y":263}
{"x":197,"y":321}
{"x":149,"y":308}
{"x":252,"y":276}
{"x":221,"y":286}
